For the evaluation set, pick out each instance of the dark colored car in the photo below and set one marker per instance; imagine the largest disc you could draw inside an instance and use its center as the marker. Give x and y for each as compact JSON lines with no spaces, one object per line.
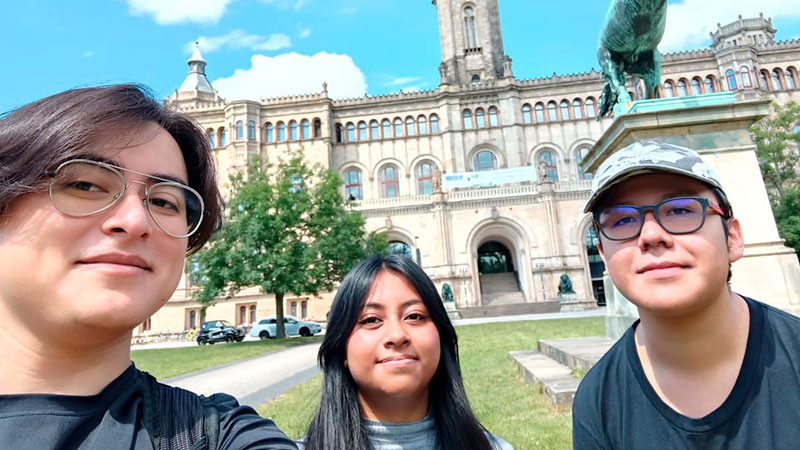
{"x":215,"y":331}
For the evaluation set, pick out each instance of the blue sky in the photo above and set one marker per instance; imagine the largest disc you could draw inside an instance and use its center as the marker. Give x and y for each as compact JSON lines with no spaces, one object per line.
{"x":263,"y":48}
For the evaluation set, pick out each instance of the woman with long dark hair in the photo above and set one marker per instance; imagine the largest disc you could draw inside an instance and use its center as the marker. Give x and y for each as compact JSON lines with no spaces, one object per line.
{"x":391,"y":373}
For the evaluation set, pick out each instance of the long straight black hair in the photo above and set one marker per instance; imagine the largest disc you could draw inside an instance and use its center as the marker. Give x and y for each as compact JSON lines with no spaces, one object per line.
{"x":337,"y":424}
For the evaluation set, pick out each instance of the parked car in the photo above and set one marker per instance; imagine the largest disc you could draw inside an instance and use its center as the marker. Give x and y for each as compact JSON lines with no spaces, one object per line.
{"x":215,"y":331}
{"x":266,"y":328}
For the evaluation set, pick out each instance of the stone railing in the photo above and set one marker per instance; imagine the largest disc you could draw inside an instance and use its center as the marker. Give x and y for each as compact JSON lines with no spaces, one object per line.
{"x":578,"y":185}
{"x":496,"y":192}
{"x":380,"y":203}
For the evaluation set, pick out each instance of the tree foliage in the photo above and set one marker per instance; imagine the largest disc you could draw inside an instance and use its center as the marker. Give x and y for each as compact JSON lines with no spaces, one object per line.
{"x":787,"y":214}
{"x":288,"y":230}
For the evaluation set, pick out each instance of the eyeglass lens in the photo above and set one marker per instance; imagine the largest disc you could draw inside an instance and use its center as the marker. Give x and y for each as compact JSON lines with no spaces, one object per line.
{"x":85,"y":188}
{"x":676,"y":216}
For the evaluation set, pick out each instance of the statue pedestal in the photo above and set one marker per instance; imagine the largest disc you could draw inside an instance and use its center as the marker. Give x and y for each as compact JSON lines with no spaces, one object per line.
{"x":571,"y":303}
{"x":452,"y":312}
{"x":716,"y":126}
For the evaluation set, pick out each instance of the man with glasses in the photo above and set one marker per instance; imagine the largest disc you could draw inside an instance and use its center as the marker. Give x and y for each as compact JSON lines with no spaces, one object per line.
{"x":703,"y":367}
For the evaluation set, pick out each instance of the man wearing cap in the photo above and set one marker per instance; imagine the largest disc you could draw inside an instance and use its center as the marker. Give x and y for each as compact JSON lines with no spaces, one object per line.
{"x":703,"y":367}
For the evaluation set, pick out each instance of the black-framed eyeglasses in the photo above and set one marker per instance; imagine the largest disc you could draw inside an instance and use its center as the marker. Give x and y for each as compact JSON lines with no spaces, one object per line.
{"x":678,"y":215}
{"x":82,"y":187}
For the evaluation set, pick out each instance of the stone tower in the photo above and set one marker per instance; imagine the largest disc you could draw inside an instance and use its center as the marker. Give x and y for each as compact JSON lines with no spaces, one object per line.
{"x":472,"y":42}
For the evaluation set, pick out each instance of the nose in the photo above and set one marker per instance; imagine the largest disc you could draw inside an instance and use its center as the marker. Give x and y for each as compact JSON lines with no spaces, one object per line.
{"x":653,"y":234}
{"x":395,"y":334}
{"x":129,"y":216}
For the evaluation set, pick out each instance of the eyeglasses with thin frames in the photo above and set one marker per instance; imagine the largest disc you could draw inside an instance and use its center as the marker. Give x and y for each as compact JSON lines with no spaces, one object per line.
{"x":678,"y":215}
{"x":83,"y":187}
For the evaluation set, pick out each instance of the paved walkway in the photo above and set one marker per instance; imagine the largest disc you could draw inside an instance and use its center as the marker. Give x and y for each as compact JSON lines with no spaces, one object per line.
{"x":261,"y":378}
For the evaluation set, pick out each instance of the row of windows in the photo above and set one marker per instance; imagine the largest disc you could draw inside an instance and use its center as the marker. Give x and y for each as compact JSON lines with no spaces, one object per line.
{"x":698,"y":87}
{"x":480,"y":118}
{"x":278,"y":132}
{"x":389,"y":174}
{"x":387,"y":129}
{"x":565,"y":110}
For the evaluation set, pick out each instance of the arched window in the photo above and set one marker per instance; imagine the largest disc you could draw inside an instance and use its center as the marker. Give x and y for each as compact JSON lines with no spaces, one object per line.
{"x":387,"y":129}
{"x":577,"y":109}
{"x":362,"y":131}
{"x":399,"y":248}
{"x":374,"y":130}
{"x":398,"y":128}
{"x":223,"y":137}
{"x":493,"y":119}
{"x":579,"y":155}
{"x":269,"y":130}
{"x":539,"y":113}
{"x":317,"y":128}
{"x":410,"y":126}
{"x":239,"y":130}
{"x":353,"y":189}
{"x":762,"y":77}
{"x":526,"y":114}
{"x":731,"y":76}
{"x":564,"y":110}
{"x":467,"y":119}
{"x":480,"y":120}
{"x":550,"y":164}
{"x":696,"y":88}
{"x":682,"y":90}
{"x":212,"y":138}
{"x":776,"y":80}
{"x":251,"y":130}
{"x":293,"y":130}
{"x":304,"y":309}
{"x":422,"y":122}
{"x":424,"y":178}
{"x":305,"y":126}
{"x":390,"y":187}
{"x":485,"y":160}
{"x":434,"y":124}
{"x":710,"y":88}
{"x":746,"y":81}
{"x":791,"y":84}
{"x":590,"y":107}
{"x":476,"y":80}
{"x":339,"y":133}
{"x":469,"y":27}
{"x":669,"y":91}
{"x":253,"y":314}
{"x":281,"y":131}
{"x":351,"y":132}
{"x":551,"y":112}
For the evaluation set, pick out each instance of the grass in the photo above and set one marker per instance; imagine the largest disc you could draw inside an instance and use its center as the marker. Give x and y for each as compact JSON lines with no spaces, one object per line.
{"x":505,"y":404}
{"x":170,"y":362}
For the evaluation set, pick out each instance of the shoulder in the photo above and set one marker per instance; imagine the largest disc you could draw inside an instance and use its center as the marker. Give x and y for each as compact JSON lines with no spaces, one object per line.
{"x":240,"y":427}
{"x":497,"y":442}
{"x":611,"y":366}
{"x":775,"y":316}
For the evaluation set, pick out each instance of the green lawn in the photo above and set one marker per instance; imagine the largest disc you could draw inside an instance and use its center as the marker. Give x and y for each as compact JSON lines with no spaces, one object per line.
{"x":170,"y":362}
{"x":502,"y":400}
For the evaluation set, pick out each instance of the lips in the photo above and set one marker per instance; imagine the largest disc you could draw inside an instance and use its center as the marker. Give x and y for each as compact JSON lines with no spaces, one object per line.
{"x":660,"y":266}
{"x":399,"y":358}
{"x":117,"y":259}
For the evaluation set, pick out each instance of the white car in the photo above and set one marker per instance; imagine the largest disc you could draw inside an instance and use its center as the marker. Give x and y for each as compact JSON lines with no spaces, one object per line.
{"x":266,"y":328}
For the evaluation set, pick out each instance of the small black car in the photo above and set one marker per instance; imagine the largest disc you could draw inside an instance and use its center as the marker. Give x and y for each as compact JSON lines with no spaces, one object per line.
{"x":219,"y":331}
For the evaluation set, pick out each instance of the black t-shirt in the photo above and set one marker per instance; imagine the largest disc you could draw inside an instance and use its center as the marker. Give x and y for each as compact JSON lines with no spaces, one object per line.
{"x":617,"y":408}
{"x":112,"y":419}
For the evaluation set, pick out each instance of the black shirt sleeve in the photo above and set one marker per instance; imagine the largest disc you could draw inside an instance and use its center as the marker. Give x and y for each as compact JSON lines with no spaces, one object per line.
{"x":241,"y":428}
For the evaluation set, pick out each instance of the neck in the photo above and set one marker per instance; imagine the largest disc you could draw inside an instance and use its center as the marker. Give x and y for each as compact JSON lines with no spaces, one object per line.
{"x":698,"y":340}
{"x":50,"y":363}
{"x":394,"y":409}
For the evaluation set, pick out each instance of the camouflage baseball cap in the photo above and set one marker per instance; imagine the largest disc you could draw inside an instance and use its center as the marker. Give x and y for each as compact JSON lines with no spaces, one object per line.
{"x":649,"y":157}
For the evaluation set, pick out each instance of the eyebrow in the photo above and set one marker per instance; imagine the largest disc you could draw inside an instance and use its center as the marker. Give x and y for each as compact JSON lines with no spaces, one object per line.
{"x":380,"y":306}
{"x":672,"y":194}
{"x":112,"y":162}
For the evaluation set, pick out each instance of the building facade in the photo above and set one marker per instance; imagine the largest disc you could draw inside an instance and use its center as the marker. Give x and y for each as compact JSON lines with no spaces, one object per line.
{"x":479,"y":179}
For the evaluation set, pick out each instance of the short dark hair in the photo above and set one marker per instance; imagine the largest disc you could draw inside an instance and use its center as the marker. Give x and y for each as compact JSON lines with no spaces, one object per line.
{"x":38,"y":136}
{"x":337,"y":423}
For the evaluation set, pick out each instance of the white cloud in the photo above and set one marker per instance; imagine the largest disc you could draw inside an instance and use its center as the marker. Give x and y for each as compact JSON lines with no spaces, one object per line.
{"x":690,"y":21}
{"x":286,"y":4}
{"x":304,"y":33}
{"x":401,"y":81}
{"x":293,"y":74}
{"x":348,"y":10}
{"x":88,"y":54}
{"x":169,"y":12}
{"x":237,"y":39}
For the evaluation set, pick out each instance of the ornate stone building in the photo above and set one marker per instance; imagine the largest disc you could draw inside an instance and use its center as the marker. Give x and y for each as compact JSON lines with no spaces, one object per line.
{"x":478,"y":178}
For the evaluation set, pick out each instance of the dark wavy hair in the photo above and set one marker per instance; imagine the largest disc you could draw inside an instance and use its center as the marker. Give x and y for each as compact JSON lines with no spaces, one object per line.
{"x":337,"y":424}
{"x":37,"y":137}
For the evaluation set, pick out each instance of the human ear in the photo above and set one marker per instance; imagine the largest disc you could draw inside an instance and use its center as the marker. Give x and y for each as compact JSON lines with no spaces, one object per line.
{"x":735,"y":240}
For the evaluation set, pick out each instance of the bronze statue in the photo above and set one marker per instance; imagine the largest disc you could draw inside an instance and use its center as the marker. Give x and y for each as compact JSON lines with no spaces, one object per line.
{"x":447,"y":293}
{"x":629,"y":44}
{"x":565,"y":285}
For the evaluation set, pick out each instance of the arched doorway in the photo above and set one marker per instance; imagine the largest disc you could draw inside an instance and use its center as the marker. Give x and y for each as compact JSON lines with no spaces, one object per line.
{"x":596,"y":265}
{"x":400,"y":248}
{"x":499,"y":281}
{"x":494,"y":257}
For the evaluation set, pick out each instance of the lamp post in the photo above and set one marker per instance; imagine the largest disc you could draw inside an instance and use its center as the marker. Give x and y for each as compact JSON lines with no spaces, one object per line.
{"x":419,"y":253}
{"x":539,"y":264}
{"x":462,"y":269}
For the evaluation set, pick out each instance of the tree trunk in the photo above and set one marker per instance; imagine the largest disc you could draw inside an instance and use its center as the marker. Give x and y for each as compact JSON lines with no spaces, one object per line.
{"x":280,"y":329}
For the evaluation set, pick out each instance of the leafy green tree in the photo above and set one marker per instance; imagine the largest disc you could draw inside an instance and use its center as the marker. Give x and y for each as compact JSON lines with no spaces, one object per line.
{"x":288,"y":229}
{"x":787,"y":214}
{"x":777,"y":149}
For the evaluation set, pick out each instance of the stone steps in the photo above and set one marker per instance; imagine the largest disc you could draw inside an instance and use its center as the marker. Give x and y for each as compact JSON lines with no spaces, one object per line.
{"x":514,"y":309}
{"x":553,"y":364}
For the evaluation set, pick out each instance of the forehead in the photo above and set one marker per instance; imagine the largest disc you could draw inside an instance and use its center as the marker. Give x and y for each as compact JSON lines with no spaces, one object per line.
{"x":389,"y":287}
{"x":652,"y":188}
